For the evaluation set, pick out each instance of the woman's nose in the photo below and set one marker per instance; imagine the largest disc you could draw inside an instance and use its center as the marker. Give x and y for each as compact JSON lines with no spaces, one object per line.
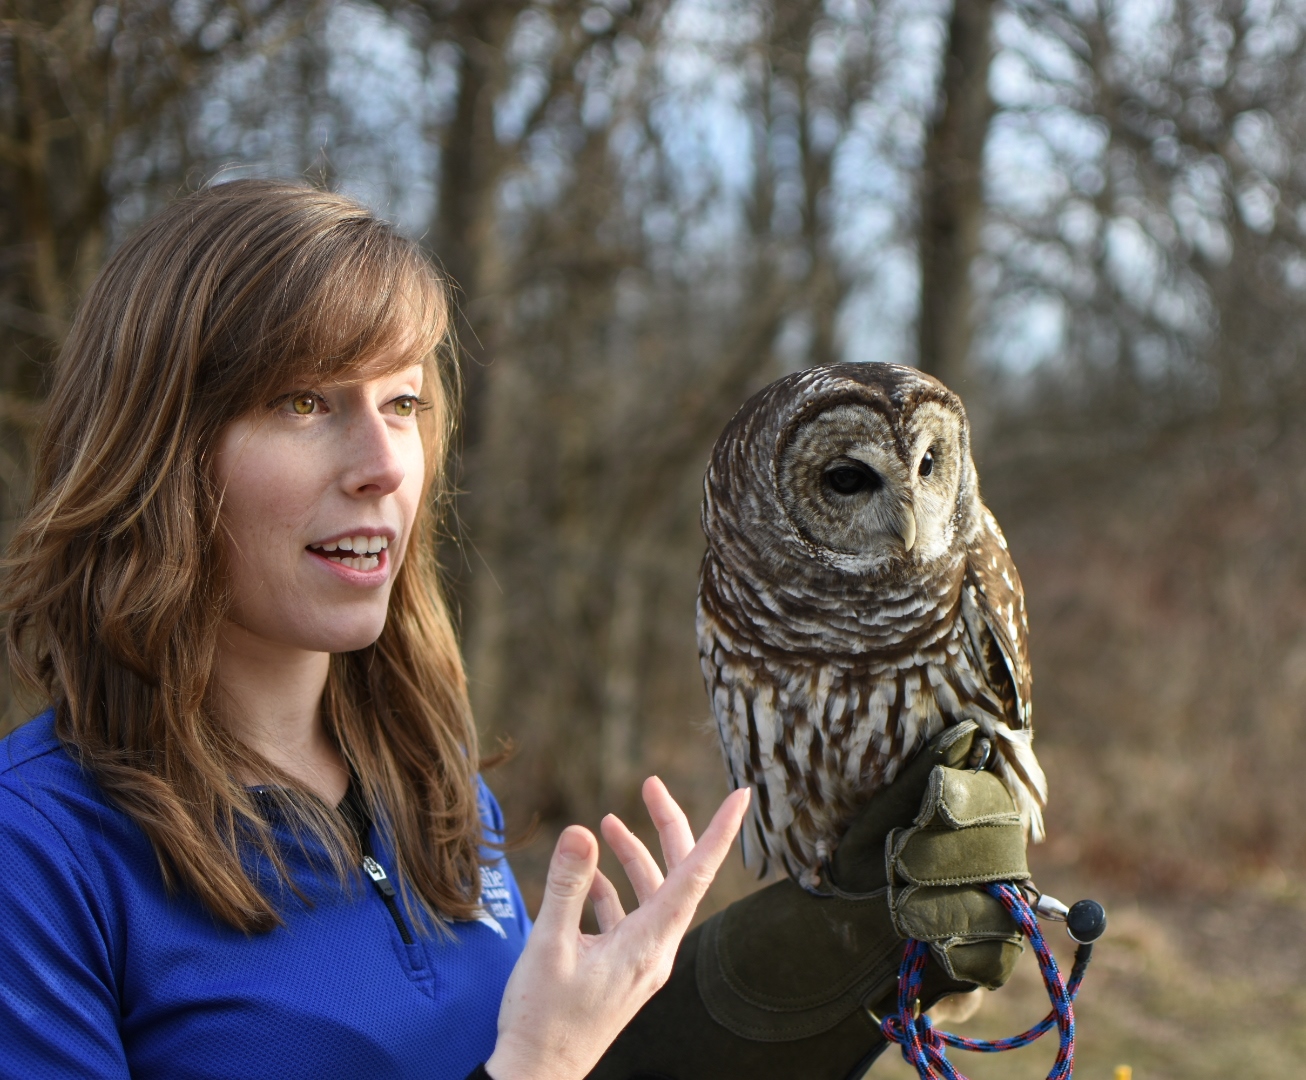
{"x":374,"y":465}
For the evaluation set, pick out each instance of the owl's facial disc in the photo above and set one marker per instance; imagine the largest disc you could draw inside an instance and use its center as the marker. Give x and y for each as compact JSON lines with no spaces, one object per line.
{"x":853,"y":484}
{"x":937,"y":448}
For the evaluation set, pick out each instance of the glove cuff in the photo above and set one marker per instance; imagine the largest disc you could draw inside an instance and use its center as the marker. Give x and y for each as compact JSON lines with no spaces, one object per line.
{"x":844,"y":954}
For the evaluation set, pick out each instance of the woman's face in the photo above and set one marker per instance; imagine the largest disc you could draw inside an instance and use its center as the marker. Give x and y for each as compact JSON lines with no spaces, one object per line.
{"x":319,"y":494}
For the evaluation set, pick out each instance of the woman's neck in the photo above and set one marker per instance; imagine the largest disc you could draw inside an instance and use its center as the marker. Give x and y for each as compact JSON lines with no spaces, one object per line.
{"x":272,"y":699}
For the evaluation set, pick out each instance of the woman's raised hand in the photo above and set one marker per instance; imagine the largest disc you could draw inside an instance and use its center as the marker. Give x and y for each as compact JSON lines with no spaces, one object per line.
{"x":571,"y":993}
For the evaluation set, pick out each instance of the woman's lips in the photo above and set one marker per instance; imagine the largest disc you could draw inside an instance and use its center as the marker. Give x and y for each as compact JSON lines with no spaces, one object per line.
{"x":365,"y":568}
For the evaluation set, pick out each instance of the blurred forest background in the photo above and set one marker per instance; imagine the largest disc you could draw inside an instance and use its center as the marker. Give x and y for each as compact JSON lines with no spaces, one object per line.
{"x":1086,"y":216}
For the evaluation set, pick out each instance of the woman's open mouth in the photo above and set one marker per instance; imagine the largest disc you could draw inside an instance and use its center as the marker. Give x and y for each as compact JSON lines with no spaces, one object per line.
{"x":354,"y":552}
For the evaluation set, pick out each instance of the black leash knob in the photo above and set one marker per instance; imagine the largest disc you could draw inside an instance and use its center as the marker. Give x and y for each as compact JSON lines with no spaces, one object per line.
{"x":1086,"y":921}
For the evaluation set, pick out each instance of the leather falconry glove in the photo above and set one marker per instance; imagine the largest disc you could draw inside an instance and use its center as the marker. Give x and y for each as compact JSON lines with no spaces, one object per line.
{"x":779,"y":984}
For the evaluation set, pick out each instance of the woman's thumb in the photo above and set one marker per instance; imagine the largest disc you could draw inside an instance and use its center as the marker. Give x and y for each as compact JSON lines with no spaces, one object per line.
{"x":571,"y":873}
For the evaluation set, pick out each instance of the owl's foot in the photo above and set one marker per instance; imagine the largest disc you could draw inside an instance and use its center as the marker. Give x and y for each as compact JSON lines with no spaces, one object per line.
{"x":980,"y":754}
{"x":810,"y":880}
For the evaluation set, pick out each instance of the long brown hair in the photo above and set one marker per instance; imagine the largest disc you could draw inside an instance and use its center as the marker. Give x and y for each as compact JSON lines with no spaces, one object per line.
{"x":116,"y":578}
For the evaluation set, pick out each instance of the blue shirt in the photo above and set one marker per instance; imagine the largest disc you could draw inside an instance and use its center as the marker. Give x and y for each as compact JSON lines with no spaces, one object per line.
{"x":104,"y":974}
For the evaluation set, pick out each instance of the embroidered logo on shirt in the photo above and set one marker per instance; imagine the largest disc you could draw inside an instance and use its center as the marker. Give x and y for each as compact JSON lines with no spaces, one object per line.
{"x":496,"y":900}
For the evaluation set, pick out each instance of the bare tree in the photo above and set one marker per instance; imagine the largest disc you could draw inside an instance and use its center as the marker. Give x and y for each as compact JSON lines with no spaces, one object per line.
{"x":76,"y":79}
{"x":80,"y":84}
{"x":952,"y":196}
{"x":1166,"y":236}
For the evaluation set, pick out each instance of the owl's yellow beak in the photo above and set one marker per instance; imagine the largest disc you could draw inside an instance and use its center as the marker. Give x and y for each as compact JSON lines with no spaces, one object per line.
{"x":907,"y":528}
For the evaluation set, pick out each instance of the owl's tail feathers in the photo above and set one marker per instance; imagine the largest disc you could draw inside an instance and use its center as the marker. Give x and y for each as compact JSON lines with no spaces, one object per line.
{"x":1023,"y":776}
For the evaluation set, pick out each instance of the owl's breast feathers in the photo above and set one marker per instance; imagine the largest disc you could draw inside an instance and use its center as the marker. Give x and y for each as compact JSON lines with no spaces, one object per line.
{"x":824,"y":686}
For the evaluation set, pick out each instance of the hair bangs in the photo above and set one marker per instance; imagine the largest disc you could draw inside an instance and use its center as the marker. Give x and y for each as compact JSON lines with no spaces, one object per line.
{"x":367,"y":296}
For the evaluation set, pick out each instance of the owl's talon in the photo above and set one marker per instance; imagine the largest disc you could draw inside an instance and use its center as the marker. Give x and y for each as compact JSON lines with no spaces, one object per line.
{"x":980,"y":754}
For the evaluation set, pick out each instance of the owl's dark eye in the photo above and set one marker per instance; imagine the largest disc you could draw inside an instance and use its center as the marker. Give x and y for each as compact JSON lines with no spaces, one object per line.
{"x":850,"y":479}
{"x":927,"y":463}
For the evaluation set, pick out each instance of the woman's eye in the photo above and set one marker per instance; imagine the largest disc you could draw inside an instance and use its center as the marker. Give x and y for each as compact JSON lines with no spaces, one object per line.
{"x":409,"y":405}
{"x":302,"y":404}
{"x":927,"y":463}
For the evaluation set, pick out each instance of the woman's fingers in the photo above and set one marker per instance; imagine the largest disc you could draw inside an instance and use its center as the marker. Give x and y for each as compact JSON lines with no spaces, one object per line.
{"x":640,"y":866}
{"x":677,"y":840}
{"x":672,"y":825}
{"x":607,"y":904}
{"x":565,"y":1003}
{"x":571,"y":872}
{"x":686,"y":884}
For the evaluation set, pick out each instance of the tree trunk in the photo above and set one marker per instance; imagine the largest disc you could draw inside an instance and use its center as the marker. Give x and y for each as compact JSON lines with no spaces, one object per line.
{"x":952,"y":196}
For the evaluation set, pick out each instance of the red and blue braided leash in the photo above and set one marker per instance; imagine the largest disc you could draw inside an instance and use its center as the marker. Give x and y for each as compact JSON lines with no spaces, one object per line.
{"x":924,"y":1047}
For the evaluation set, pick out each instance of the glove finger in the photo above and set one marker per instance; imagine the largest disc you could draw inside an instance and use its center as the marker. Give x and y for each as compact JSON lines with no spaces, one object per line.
{"x":962,"y":797}
{"x":938,"y":913}
{"x":971,"y":856}
{"x":986,"y":963}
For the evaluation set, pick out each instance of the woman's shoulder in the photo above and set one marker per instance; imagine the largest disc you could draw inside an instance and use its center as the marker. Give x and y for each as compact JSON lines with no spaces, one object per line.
{"x":35,"y":765}
{"x":42,"y":786}
{"x":28,"y":743}
{"x":491,"y":815}
{"x":86,"y":859}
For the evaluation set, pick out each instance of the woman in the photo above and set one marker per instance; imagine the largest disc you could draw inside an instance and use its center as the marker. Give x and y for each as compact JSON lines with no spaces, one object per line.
{"x":226,"y":590}
{"x":247,"y":838}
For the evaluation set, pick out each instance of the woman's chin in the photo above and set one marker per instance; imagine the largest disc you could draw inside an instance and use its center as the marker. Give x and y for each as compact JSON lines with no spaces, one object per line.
{"x":351,"y":639}
{"x":329,"y":633}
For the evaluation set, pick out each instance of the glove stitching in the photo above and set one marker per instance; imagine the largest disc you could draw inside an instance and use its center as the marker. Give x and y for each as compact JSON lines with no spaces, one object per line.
{"x":763,"y":1001}
{"x":1005,"y":818}
{"x":997,"y":875}
{"x":942,"y":954}
{"x":953,"y":938}
{"x":780,"y":1024}
{"x":842,"y":894}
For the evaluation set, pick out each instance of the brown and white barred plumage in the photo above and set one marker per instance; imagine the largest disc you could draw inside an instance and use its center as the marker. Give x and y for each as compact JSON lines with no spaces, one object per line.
{"x":830,"y":665}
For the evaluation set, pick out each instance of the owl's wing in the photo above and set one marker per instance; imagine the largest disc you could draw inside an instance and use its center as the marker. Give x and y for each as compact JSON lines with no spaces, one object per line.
{"x":1003,"y":640}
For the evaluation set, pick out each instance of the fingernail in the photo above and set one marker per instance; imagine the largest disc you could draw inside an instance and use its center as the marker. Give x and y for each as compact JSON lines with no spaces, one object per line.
{"x":572,"y":845}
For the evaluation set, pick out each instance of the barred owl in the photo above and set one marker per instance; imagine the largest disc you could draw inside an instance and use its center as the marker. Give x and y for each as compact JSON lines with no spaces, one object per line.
{"x":856,"y":598}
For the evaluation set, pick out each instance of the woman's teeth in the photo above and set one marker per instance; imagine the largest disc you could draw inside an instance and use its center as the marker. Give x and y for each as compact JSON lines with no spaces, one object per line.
{"x":364,"y":551}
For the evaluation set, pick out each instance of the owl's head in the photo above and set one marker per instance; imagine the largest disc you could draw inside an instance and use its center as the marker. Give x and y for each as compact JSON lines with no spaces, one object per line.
{"x":870,"y":465}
